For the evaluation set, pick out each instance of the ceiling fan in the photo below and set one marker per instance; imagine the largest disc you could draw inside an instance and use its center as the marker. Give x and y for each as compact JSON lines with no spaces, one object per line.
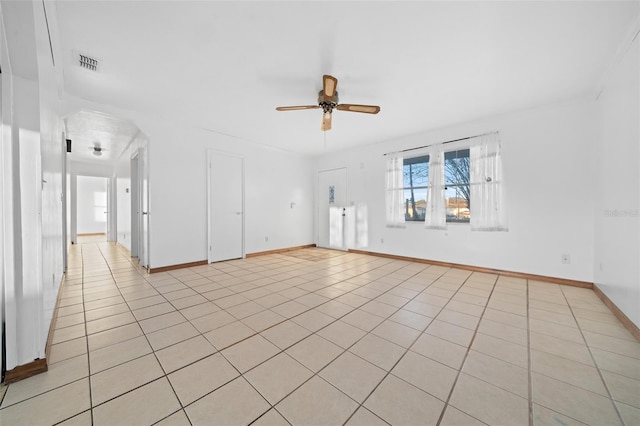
{"x":97,"y":150}
{"x":328,"y":101}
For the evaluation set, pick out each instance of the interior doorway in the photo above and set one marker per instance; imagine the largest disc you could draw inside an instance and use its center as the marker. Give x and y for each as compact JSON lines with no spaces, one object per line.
{"x":92,"y":208}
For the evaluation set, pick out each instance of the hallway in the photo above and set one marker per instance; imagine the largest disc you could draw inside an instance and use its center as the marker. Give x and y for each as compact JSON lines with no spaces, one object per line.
{"x":325,"y":337}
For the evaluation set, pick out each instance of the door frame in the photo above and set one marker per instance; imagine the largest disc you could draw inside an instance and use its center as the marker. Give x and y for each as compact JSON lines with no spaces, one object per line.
{"x":210,"y":154}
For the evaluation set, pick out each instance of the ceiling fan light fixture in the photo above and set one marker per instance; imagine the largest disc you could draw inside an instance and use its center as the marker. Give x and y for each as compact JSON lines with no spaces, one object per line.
{"x":97,"y":151}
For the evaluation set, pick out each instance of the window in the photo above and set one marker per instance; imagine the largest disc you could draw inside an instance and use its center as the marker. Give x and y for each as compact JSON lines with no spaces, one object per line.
{"x":415,"y":176}
{"x":457,"y":190}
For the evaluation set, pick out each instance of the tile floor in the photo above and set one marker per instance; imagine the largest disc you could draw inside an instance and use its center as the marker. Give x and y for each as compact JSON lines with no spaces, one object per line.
{"x":329,"y":338}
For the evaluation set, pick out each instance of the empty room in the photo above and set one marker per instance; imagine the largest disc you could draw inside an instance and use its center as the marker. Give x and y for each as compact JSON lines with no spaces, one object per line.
{"x":320,"y":212}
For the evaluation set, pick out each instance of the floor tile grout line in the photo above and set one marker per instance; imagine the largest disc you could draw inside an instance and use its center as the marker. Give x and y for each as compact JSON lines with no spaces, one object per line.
{"x":466,"y":354}
{"x":593,"y":359}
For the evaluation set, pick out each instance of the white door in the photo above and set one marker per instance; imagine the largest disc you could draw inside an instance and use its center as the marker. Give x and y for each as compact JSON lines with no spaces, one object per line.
{"x":143,"y":203}
{"x":226,"y":207}
{"x":135,"y":207}
{"x":332,"y":192}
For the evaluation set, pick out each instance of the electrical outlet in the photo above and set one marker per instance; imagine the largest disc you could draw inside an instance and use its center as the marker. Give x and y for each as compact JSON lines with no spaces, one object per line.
{"x":381,"y":240}
{"x":566,"y":259}
{"x":266,"y":239}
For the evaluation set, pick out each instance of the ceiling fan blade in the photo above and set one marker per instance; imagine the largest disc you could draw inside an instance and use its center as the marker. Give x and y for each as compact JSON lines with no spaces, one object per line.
{"x":368,"y":109}
{"x":329,"y":84}
{"x":294,"y":108}
{"x":326,"y":122}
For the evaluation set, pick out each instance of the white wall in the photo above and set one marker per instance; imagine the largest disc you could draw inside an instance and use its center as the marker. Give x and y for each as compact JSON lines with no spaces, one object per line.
{"x":617,"y":191}
{"x":90,"y":191}
{"x":547,"y":158}
{"x":32,"y":177}
{"x":178,"y":187}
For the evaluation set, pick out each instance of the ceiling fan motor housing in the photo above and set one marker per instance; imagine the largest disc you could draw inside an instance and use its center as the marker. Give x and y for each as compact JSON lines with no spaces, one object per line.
{"x":328,"y":103}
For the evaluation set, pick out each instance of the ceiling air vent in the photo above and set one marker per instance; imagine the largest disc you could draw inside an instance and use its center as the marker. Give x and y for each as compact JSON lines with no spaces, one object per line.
{"x":88,"y":62}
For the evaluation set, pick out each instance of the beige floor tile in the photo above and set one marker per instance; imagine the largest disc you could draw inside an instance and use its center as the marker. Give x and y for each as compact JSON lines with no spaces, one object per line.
{"x":201,"y":378}
{"x":68,"y":333}
{"x":102,"y":303}
{"x":431,"y":376}
{"x":411,"y":319}
{"x":171,"y":335}
{"x":453,"y":333}
{"x":335,"y":308}
{"x":606,"y":328}
{"x":263,"y":320}
{"x":455,"y":417}
{"x":229,"y":334}
{"x":46,"y":408}
{"x":108,"y":323}
{"x":290,"y":309}
{"x":314,"y":352}
{"x":488,"y":403}
{"x":153,"y":311}
{"x":178,"y":418}
{"x":342,"y":334}
{"x":573,"y":401}
{"x":623,"y":389}
{"x":501,"y":349}
{"x":106,"y":311}
{"x":246,"y":309}
{"x":212,"y":321}
{"x":504,"y":331}
{"x":58,"y":374}
{"x":396,"y":333}
{"x":271,"y":418}
{"x":615,"y":363}
{"x":440,"y":350}
{"x":630,"y":415}
{"x":505,"y":318}
{"x":285,"y":334}
{"x":278,"y":377}
{"x":233,"y":404}
{"x":364,"y":417}
{"x":271,"y":300}
{"x":113,"y":336}
{"x":146,"y":302}
{"x":309,"y":404}
{"x":570,"y":334}
{"x":190,"y":301}
{"x":66,"y":350}
{"x":378,"y":308}
{"x":497,"y":372}
{"x":199,"y":310}
{"x":613,"y":344}
{"x":82,"y":419}
{"x":458,"y":318}
{"x":123,"y":378}
{"x":399,"y":403}
{"x":353,"y":376}
{"x":363,"y":320}
{"x":574,"y":351}
{"x":161,"y":321}
{"x":145,"y":405}
{"x":569,"y":371}
{"x":69,"y":320}
{"x":542,"y":416}
{"x":250,"y":352}
{"x":378,"y":351}
{"x":313,"y":320}
{"x":110,"y":356}
{"x":184,"y":353}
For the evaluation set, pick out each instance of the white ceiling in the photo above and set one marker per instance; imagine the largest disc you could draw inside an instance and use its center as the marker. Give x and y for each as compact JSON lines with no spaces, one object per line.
{"x":225,"y":66}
